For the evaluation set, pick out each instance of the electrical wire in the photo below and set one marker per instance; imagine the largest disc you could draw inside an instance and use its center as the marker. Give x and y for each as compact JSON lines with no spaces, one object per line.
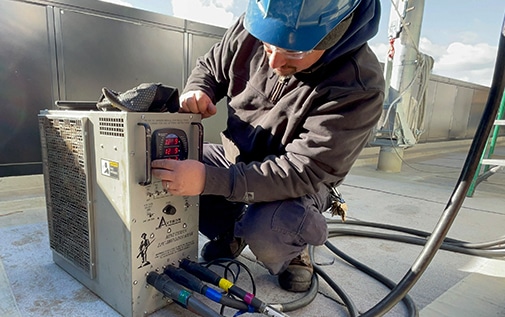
{"x":182,"y":277}
{"x":458,"y":196}
{"x":448,"y":243}
{"x":409,"y":303}
{"x":416,"y":114}
{"x":423,"y":70}
{"x":207,"y":275}
{"x":462,"y":247}
{"x":227,"y":264}
{"x":346,"y":299}
{"x":179,"y":295}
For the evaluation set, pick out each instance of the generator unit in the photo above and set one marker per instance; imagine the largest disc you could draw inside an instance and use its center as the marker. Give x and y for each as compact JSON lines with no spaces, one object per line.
{"x":110,"y":223}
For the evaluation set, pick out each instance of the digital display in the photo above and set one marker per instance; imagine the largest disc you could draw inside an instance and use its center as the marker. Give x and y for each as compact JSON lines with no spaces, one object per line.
{"x":171,"y":146}
{"x":171,"y":139}
{"x":170,"y":143}
{"x":171,"y":151}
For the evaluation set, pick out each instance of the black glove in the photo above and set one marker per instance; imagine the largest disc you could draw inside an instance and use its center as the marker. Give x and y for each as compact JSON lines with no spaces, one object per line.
{"x":147,"y":97}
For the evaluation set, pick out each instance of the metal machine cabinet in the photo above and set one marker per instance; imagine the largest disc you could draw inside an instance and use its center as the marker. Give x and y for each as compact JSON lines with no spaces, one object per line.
{"x":110,"y":223}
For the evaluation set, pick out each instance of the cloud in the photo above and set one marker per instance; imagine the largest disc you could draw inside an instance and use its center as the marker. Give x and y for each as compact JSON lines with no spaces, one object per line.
{"x":381,"y":50}
{"x":434,"y":50}
{"x":473,"y":63}
{"x":468,"y":62}
{"x":214,"y":12}
{"x":464,"y":56}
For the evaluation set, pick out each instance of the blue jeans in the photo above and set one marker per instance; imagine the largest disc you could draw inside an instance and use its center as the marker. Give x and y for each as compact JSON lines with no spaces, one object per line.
{"x":276,"y":232}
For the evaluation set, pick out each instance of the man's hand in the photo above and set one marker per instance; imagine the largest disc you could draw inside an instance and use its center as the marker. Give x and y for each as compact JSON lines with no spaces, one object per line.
{"x":196,"y":101}
{"x":181,"y":178}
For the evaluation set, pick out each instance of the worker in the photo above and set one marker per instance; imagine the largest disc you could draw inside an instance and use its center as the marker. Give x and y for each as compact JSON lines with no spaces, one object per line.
{"x":303,"y":92}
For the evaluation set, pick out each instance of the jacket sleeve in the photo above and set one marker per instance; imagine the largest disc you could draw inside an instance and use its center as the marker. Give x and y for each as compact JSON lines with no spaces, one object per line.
{"x":333,"y":136}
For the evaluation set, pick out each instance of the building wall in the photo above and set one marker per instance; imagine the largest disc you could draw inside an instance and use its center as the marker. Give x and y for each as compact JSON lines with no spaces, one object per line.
{"x":69,"y":50}
{"x":453,"y":109}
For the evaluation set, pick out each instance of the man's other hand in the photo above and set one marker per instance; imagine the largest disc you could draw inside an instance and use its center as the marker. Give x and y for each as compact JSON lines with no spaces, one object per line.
{"x":196,"y":101}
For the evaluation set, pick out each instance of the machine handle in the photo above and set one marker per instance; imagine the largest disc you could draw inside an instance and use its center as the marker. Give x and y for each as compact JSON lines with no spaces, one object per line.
{"x":200,"y":139}
{"x":148,"y":172}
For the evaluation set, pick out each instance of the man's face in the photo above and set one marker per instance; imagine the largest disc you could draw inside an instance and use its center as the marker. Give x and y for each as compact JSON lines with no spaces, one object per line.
{"x":287,"y":63}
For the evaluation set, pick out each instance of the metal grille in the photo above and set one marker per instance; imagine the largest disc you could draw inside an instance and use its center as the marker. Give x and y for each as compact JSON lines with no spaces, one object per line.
{"x":111,"y":126}
{"x":65,"y":178}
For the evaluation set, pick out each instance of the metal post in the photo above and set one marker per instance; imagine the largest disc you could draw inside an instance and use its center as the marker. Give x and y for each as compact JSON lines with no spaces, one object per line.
{"x":404,"y":33}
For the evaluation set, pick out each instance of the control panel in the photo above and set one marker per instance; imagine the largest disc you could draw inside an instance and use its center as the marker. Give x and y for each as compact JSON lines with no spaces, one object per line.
{"x":170,"y":143}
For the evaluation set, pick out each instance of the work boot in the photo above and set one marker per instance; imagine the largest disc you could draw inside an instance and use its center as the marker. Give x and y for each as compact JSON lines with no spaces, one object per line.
{"x":298,"y":275}
{"x":224,"y":247}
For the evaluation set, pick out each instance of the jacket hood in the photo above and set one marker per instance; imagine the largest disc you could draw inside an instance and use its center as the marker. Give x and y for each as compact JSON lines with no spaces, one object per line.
{"x":364,"y":26}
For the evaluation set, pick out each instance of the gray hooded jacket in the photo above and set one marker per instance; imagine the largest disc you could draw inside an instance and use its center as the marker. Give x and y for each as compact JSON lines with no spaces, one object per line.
{"x":288,"y":137}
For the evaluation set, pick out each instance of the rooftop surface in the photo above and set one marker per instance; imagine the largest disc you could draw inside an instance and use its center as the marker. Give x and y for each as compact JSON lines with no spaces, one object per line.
{"x":454,"y":284}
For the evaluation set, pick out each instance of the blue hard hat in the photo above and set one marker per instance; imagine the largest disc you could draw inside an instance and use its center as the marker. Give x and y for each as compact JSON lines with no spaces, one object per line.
{"x":297,"y":25}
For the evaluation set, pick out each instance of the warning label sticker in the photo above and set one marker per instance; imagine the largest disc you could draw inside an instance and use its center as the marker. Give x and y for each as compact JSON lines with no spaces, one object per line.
{"x":110,"y":168}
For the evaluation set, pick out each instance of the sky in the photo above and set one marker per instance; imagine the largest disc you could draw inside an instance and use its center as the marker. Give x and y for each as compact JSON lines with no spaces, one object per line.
{"x":461,"y":35}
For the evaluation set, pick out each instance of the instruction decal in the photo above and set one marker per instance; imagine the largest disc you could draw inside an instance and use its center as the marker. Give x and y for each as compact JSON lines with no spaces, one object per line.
{"x":110,"y":168}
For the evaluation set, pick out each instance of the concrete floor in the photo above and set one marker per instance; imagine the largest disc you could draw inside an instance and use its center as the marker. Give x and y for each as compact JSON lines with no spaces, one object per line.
{"x":454,"y":284}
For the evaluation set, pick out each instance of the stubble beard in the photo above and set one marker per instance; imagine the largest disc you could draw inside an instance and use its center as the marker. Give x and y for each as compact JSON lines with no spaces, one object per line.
{"x":285,"y":71}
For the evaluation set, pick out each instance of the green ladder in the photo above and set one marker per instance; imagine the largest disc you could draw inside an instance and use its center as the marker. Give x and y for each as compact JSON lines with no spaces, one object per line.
{"x":488,"y":164}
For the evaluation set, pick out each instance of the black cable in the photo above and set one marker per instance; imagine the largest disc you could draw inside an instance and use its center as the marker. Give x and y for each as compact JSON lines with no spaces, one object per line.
{"x":459,"y":193}
{"x":348,"y":303}
{"x":179,"y":295}
{"x":483,"y":245}
{"x":420,"y":233}
{"x":409,"y":303}
{"x":386,"y":227}
{"x":459,"y":248}
{"x":226,"y":264}
{"x":207,"y":275}
{"x":191,"y":282}
{"x":303,"y":301}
